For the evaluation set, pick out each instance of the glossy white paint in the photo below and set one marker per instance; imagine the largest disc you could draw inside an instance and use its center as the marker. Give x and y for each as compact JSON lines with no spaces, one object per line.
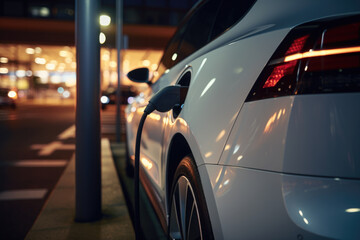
{"x":323,"y":136}
{"x":323,"y":206}
{"x":246,"y":152}
{"x":219,"y":90}
{"x":259,"y":135}
{"x":309,"y":134}
{"x":253,"y":204}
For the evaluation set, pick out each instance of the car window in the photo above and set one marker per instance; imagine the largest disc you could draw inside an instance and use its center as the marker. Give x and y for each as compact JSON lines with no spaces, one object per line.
{"x":192,"y":34}
{"x":198,"y":31}
{"x":167,"y":59}
{"x":231,"y":11}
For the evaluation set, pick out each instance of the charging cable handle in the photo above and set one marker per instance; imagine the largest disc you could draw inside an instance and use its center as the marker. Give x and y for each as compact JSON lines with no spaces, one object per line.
{"x":163,"y":101}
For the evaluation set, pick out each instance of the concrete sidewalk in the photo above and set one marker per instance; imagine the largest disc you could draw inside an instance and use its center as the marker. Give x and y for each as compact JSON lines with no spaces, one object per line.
{"x":56,"y":220}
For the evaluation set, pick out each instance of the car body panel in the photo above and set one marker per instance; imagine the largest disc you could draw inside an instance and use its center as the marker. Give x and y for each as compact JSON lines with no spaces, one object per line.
{"x":282,"y":206}
{"x":260,"y":125}
{"x":290,"y":131}
{"x":260,"y":162}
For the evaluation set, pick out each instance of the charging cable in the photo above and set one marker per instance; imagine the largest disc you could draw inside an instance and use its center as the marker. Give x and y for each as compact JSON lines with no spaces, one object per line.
{"x":163,"y":101}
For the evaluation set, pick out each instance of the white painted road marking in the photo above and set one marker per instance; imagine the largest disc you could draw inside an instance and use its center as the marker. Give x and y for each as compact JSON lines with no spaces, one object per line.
{"x":35,"y":163}
{"x":47,"y":149}
{"x":68,"y":133}
{"x":24,"y":194}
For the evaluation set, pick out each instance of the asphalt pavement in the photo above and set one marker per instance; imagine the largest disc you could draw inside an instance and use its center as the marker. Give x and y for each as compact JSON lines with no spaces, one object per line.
{"x":37,"y":149}
{"x":33,"y":156}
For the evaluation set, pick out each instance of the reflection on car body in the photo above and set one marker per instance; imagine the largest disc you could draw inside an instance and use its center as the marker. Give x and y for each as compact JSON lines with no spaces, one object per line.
{"x":266,"y":143}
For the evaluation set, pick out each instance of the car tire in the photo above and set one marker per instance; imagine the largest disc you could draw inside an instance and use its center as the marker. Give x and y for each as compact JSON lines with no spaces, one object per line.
{"x":189,"y":217}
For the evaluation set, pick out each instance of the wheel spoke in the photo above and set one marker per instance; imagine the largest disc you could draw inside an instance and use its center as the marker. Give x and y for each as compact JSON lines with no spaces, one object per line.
{"x":189,"y":207}
{"x":182,"y":204}
{"x":184,"y":215}
{"x":175,"y":218}
{"x":194,"y":226}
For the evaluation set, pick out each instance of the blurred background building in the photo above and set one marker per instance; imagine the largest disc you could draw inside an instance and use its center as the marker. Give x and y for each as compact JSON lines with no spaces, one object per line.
{"x":37,"y":38}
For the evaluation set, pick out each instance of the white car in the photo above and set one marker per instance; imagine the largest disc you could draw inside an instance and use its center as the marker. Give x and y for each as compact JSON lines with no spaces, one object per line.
{"x":266,"y":144}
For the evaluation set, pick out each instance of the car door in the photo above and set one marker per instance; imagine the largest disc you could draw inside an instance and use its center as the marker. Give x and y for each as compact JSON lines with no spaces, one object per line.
{"x":193,"y":33}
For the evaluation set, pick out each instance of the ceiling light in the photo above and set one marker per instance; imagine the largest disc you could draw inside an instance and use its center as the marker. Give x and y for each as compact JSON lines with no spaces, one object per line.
{"x":38,"y":50}
{"x":30,"y":51}
{"x":68,"y":60}
{"x":39,"y":60}
{"x":50,"y":66}
{"x":4,"y":60}
{"x":63,"y":53}
{"x":146,"y":63}
{"x":113,"y":64}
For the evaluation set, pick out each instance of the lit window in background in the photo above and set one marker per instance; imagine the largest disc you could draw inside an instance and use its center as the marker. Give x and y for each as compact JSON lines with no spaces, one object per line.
{"x":105,"y":56}
{"x":4,"y":60}
{"x":4,"y":70}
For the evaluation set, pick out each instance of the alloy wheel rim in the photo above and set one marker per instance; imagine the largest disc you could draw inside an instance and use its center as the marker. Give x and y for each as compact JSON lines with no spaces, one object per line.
{"x":184,"y":217}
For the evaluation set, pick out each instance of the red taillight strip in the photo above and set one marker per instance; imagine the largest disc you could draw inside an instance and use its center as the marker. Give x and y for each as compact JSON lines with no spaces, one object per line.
{"x":278,"y":73}
{"x":320,"y":53}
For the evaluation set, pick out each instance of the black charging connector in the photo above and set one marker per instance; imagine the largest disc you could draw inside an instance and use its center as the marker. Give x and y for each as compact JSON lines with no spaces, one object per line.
{"x":166,"y":99}
{"x":163,"y":101}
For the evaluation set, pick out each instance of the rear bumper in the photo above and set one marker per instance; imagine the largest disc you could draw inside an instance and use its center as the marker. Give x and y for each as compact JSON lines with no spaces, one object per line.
{"x":253,"y":204}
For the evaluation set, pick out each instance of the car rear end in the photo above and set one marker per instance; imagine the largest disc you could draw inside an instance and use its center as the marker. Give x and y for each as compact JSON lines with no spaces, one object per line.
{"x":292,"y":160}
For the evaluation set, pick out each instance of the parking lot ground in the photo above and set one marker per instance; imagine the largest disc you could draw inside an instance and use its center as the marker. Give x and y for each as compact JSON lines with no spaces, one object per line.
{"x":56,"y":220}
{"x":150,"y":225}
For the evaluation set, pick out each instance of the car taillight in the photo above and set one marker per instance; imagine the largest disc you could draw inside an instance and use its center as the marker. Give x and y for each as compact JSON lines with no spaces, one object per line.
{"x":318,"y":57}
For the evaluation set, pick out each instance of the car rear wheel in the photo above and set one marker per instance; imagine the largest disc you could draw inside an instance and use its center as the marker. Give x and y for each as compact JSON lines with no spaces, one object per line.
{"x":189,"y":218}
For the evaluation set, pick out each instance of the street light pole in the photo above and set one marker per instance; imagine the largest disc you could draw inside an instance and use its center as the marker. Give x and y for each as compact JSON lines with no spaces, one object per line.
{"x":119,"y":15}
{"x":88,"y":148}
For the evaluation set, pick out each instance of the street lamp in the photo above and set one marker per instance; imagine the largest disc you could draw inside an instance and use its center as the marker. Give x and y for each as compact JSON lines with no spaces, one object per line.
{"x":105,"y":20}
{"x":102,"y":38}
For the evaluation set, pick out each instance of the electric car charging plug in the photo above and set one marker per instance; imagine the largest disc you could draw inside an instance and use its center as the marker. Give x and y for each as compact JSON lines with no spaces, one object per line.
{"x":163,"y":101}
{"x":166,"y":99}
